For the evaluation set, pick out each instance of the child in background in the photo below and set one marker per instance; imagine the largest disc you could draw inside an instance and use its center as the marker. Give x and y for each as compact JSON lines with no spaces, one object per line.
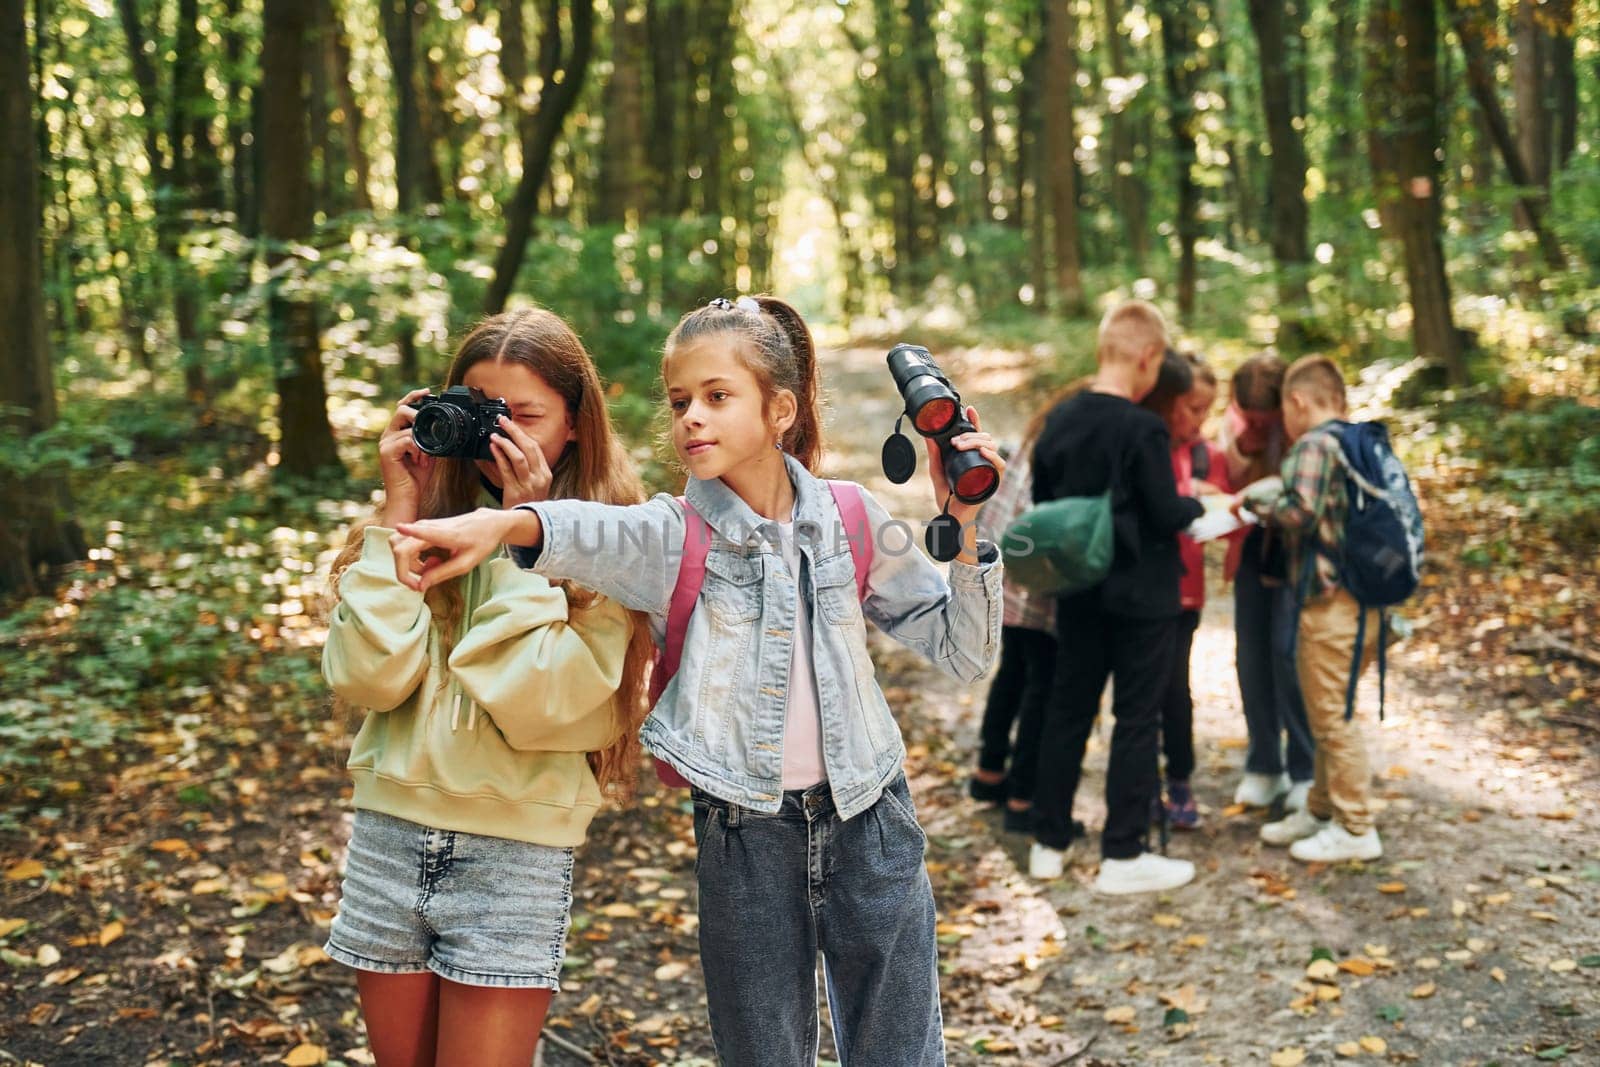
{"x":807,"y":837}
{"x":1095,"y":442}
{"x":1252,"y":438}
{"x":1336,"y":823}
{"x":501,"y":708}
{"x":1021,"y":684}
{"x":1199,"y":468}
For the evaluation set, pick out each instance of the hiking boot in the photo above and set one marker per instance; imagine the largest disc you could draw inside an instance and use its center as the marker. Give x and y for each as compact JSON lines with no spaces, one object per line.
{"x":1291,"y":828}
{"x":1182,"y":813}
{"x":986,"y":792}
{"x":1145,"y":873}
{"x":1334,"y":844}
{"x":1046,"y":863}
{"x":1295,"y":798}
{"x":1260,"y":790}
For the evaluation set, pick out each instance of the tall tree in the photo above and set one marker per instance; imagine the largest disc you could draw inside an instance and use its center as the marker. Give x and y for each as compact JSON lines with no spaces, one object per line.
{"x":1473,"y":31}
{"x":37,"y":528}
{"x":1179,"y":61}
{"x":306,"y":446}
{"x":563,"y":66}
{"x":1532,"y":43}
{"x":622,"y":153}
{"x":1061,"y":139}
{"x":1274,"y":23}
{"x":1127,"y":183}
{"x":1404,"y":137}
{"x":983,"y":110}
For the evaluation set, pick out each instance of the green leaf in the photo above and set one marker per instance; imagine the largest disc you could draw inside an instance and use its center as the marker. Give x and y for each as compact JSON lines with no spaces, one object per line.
{"x":1589,"y":961}
{"x":1320,"y":953}
{"x":1557,"y":1052}
{"x":1391,"y":1013}
{"x":1174,"y":1017}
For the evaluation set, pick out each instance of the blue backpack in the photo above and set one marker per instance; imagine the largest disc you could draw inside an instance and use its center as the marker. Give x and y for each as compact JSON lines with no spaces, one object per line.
{"x":1381,"y":562}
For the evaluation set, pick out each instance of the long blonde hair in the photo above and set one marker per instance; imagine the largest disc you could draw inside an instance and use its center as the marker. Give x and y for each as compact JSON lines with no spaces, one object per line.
{"x":595,"y":466}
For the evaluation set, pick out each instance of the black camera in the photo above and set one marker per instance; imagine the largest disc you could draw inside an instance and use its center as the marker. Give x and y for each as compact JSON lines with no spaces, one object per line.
{"x":935,"y":410}
{"x":457,"y":423}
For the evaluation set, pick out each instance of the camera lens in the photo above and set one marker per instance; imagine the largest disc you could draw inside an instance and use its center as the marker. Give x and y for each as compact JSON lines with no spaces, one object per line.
{"x":441,"y":429}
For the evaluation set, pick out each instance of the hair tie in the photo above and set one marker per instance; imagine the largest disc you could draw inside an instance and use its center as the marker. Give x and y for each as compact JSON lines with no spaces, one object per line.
{"x":721,"y":303}
{"x":747,"y":305}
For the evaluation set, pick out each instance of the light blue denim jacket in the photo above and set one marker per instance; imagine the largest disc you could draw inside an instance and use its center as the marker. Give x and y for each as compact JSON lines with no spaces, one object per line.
{"x":720,"y":720}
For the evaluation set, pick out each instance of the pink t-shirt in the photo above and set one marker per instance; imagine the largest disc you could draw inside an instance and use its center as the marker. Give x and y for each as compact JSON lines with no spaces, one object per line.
{"x":803,"y":766}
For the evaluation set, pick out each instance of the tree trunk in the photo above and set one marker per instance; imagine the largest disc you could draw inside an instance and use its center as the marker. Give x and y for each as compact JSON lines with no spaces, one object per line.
{"x":193,"y":185}
{"x":410,"y":151}
{"x":1344,"y":150}
{"x":983,"y":108}
{"x":896,"y":140}
{"x":622,"y":161}
{"x":1473,"y":35}
{"x":1178,"y":47}
{"x":932,"y":183}
{"x":1245,"y":225}
{"x":1127,"y":183}
{"x":555,"y":102}
{"x":306,"y":446}
{"x":37,"y":528}
{"x":1061,"y":138}
{"x":350,"y":116}
{"x":1404,"y":133}
{"x":1563,"y":78}
{"x":1274,"y":22}
{"x":1528,"y":83}
{"x":241,"y":171}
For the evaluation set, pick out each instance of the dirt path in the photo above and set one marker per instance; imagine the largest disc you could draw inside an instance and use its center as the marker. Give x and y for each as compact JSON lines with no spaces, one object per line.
{"x":175,"y":913}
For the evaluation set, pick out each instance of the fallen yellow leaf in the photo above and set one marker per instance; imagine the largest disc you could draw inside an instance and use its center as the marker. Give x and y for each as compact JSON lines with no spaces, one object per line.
{"x":1120,"y":1014}
{"x":1424,"y":991}
{"x":1497,"y":974}
{"x":669,"y":972}
{"x":1392,"y":887}
{"x":11,"y":926}
{"x":1234,"y":809}
{"x":1347,"y":1049}
{"x":1563,"y":966}
{"x":110,"y":932}
{"x":48,"y":956}
{"x":1375,"y":1045}
{"x":1562,"y":815}
{"x":1171,"y":922}
{"x":1197,"y":941}
{"x":589,"y":1006}
{"x":208,"y":885}
{"x":1357,"y":966}
{"x":169,"y":844}
{"x":305,"y":1055}
{"x":23,"y":870}
{"x":1292,"y":1056}
{"x":620,"y":911}
{"x":1322,"y":971}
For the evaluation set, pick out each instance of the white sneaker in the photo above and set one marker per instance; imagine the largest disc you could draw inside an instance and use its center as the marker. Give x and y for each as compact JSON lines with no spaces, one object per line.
{"x":1045,"y":863}
{"x":1295,"y":799}
{"x":1334,"y":844}
{"x":1145,"y":873}
{"x":1260,"y":790}
{"x":1291,"y":828}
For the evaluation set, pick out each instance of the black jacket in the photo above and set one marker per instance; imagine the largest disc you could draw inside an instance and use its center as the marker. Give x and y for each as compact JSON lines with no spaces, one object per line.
{"x":1086,"y":440}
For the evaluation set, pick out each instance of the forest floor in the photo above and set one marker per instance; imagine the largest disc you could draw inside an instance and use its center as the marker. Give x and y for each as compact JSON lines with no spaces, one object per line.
{"x":134,"y":935}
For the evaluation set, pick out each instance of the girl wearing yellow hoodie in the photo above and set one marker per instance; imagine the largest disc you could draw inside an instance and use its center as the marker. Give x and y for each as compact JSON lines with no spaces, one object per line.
{"x":501,"y":708}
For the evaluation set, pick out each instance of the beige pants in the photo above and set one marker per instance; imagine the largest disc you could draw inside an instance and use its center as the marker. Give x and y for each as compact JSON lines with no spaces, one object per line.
{"x":1342,"y":788}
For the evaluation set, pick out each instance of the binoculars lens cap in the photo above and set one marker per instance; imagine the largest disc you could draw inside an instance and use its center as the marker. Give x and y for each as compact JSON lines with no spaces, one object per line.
{"x":944,"y":538}
{"x":899,"y":459}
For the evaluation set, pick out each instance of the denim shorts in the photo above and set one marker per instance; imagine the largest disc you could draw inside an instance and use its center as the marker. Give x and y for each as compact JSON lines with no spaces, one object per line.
{"x":482,"y":911}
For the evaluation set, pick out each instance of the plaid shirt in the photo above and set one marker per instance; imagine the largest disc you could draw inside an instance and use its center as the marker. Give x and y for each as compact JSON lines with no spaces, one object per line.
{"x":1012,"y":498}
{"x":1312,"y":507}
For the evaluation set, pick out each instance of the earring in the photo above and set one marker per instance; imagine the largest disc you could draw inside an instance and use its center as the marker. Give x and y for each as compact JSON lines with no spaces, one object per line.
{"x":778,"y":444}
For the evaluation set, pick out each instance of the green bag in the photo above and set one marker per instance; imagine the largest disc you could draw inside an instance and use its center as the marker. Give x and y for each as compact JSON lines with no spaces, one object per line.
{"x":1061,"y":546}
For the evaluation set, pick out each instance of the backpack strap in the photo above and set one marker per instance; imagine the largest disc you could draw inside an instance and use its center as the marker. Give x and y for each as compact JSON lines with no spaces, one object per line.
{"x":691,"y":576}
{"x":857,"y":531}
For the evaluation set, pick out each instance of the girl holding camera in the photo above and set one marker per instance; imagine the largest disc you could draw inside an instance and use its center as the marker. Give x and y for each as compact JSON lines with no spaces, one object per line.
{"x":808,"y":841}
{"x":501,"y":707}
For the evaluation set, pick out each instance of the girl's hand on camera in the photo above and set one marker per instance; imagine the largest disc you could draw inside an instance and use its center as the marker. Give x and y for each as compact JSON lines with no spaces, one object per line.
{"x":406,"y":468}
{"x":965,"y":514}
{"x":524,"y":475}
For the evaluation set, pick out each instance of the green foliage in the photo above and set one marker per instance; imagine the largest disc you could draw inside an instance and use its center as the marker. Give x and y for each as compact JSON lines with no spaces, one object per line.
{"x":1546,"y":457}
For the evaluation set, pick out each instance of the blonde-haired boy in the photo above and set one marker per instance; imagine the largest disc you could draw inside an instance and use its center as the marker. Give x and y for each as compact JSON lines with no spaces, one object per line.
{"x":1336,"y":822}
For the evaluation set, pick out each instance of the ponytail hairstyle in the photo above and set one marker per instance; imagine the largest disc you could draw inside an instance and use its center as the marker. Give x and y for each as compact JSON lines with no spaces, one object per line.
{"x":595,"y":466}
{"x":1258,"y":383}
{"x":774,"y":343}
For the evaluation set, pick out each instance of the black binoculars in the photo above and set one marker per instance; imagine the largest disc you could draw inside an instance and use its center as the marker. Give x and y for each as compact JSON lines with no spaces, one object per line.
{"x":935,"y":410}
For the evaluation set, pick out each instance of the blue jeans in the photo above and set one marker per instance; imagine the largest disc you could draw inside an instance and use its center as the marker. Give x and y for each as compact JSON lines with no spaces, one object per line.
{"x":1263,"y":626}
{"x":777,"y":889}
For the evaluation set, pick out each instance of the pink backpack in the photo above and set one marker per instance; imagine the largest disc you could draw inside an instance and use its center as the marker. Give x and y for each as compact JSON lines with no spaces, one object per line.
{"x":692,"y":575}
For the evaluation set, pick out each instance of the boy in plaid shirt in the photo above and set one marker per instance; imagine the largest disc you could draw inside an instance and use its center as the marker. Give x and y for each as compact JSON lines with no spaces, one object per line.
{"x":1336,"y":823}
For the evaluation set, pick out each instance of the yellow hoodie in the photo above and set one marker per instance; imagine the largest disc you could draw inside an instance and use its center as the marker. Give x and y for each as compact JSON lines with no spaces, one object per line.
{"x":493,"y":742}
